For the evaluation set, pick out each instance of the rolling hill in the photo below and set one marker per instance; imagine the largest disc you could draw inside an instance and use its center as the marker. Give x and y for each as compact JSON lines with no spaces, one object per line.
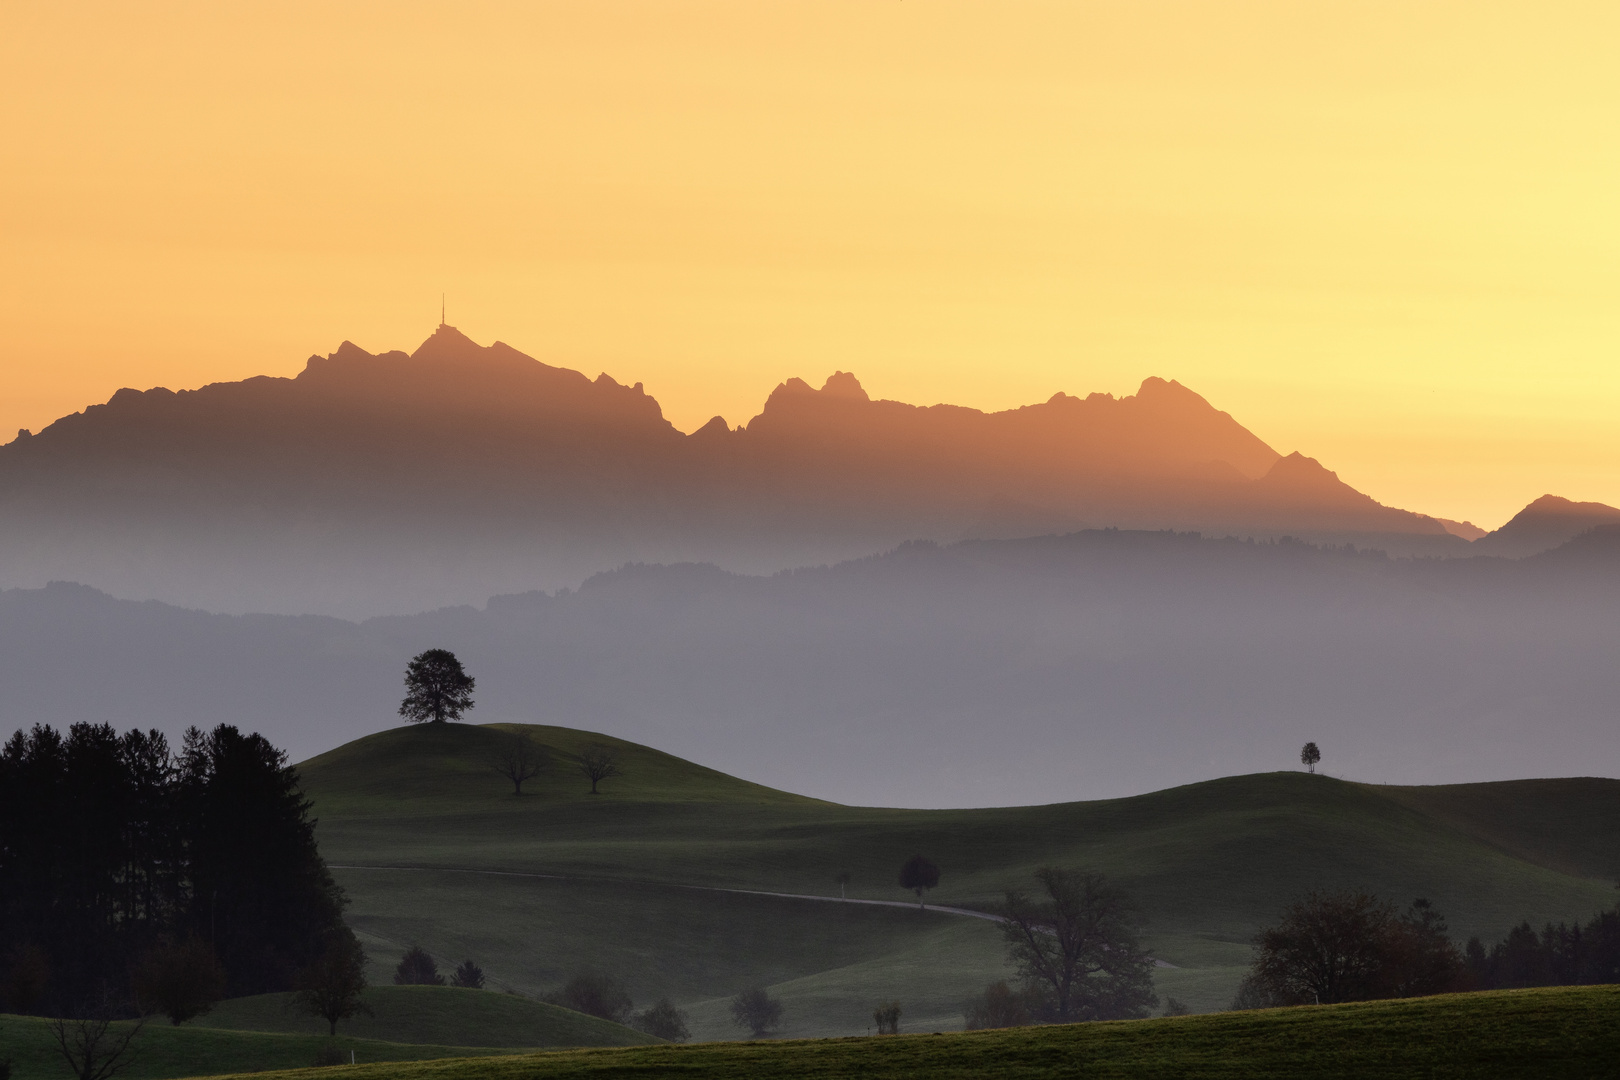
{"x":658,"y":879}
{"x":1569,"y":1033}
{"x":922,"y":676}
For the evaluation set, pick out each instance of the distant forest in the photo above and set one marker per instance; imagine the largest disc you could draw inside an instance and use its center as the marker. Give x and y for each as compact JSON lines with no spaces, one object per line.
{"x":113,"y":848}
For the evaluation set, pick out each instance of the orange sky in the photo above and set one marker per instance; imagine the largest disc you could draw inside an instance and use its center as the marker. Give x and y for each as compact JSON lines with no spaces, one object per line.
{"x":1386,"y":234}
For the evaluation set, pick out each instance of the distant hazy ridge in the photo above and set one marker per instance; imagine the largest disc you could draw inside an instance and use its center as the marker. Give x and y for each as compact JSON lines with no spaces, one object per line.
{"x":392,"y":483}
{"x":990,"y":672}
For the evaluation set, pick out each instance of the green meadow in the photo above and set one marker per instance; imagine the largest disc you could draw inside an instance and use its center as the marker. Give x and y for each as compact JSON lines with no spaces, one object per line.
{"x":434,"y":849}
{"x":1568,"y":1033}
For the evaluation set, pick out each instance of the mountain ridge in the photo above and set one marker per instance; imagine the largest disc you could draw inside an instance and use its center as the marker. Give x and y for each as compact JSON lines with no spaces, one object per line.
{"x":400,"y":481}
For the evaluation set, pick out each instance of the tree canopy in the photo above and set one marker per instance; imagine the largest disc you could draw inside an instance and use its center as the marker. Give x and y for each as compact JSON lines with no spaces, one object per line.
{"x":919,"y":875}
{"x":436,"y":688}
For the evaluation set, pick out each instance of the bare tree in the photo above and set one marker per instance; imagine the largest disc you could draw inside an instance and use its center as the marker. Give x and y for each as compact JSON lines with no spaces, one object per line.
{"x":1309,"y":756}
{"x":1079,"y":947}
{"x":94,"y":1048}
{"x":436,"y":688}
{"x":518,"y":758}
{"x":887,"y":1018}
{"x":919,"y":875}
{"x":843,"y":880}
{"x":598,"y":763}
{"x":331,"y":986}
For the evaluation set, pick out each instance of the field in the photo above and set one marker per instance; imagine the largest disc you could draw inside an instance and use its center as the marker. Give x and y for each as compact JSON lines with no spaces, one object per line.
{"x":409,"y":1023}
{"x":434,"y":849}
{"x":163,"y":1051}
{"x":433,"y":1014}
{"x":1569,"y":1033}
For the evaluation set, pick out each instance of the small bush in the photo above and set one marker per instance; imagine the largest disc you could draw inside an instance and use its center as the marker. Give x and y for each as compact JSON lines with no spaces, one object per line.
{"x":663,"y":1021}
{"x":416,"y":968}
{"x":469,"y":976}
{"x":887,"y":1018}
{"x":596,"y":995}
{"x":756,"y":1011}
{"x":1000,"y":1007}
{"x":1172,"y":1007}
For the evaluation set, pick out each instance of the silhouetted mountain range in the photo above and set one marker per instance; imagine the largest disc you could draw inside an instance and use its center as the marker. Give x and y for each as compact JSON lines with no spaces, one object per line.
{"x":398,"y":482}
{"x":1007,"y":671}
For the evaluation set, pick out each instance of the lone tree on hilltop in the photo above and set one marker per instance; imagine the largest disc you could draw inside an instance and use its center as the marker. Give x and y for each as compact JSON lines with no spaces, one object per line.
{"x":518,"y":758}
{"x":1078,"y":948}
{"x":599,"y":763}
{"x":919,"y":875}
{"x":416,"y":968}
{"x":1310,"y":756}
{"x":436,"y":688}
{"x":887,"y":1018}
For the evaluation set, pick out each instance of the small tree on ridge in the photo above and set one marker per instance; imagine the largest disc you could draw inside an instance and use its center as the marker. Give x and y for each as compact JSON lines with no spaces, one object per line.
{"x":1309,"y":756}
{"x":598,"y":763}
{"x":517,"y":758}
{"x":919,"y":875}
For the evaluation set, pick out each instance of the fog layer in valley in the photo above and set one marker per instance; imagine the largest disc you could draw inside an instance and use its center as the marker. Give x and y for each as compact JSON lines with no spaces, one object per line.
{"x":1095,"y":664}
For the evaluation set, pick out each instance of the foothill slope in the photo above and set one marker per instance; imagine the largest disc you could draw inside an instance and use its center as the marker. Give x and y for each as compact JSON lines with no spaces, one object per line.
{"x":435,"y":849}
{"x":1568,"y":1032}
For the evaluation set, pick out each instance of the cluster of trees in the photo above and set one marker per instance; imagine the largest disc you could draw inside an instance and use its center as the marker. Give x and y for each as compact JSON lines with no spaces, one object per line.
{"x":754,"y":1010}
{"x":1353,"y":946}
{"x":417,"y":968}
{"x":602,"y":995}
{"x":134,"y":879}
{"x":1560,"y":955}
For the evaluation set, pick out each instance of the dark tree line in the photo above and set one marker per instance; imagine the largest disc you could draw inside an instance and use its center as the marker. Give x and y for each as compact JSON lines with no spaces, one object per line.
{"x":117,"y":857}
{"x":1353,"y":946}
{"x":1558,"y":956}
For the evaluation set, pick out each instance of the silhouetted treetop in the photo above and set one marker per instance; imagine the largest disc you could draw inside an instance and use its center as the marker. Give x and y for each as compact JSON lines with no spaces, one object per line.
{"x":436,"y":688}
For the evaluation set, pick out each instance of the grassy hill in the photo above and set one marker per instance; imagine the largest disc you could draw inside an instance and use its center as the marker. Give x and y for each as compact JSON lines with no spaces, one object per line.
{"x":538,"y":887}
{"x":1571,"y":1033}
{"x":163,"y":1051}
{"x":433,"y":1014}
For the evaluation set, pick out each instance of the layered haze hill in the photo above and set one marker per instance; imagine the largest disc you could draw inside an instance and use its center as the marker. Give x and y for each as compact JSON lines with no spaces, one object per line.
{"x":986,"y":672}
{"x":392,"y":483}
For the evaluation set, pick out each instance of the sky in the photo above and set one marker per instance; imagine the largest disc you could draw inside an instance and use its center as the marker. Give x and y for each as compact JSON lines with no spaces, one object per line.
{"x":1383,"y":234}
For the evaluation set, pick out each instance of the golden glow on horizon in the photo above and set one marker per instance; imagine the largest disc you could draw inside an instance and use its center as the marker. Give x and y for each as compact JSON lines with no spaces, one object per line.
{"x":1385,"y":234}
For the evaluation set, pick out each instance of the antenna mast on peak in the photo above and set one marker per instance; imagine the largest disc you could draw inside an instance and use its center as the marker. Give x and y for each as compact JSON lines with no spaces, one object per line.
{"x":441,"y":309}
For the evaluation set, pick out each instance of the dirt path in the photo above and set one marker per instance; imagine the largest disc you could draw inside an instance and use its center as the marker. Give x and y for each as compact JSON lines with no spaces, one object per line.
{"x":969,"y":912}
